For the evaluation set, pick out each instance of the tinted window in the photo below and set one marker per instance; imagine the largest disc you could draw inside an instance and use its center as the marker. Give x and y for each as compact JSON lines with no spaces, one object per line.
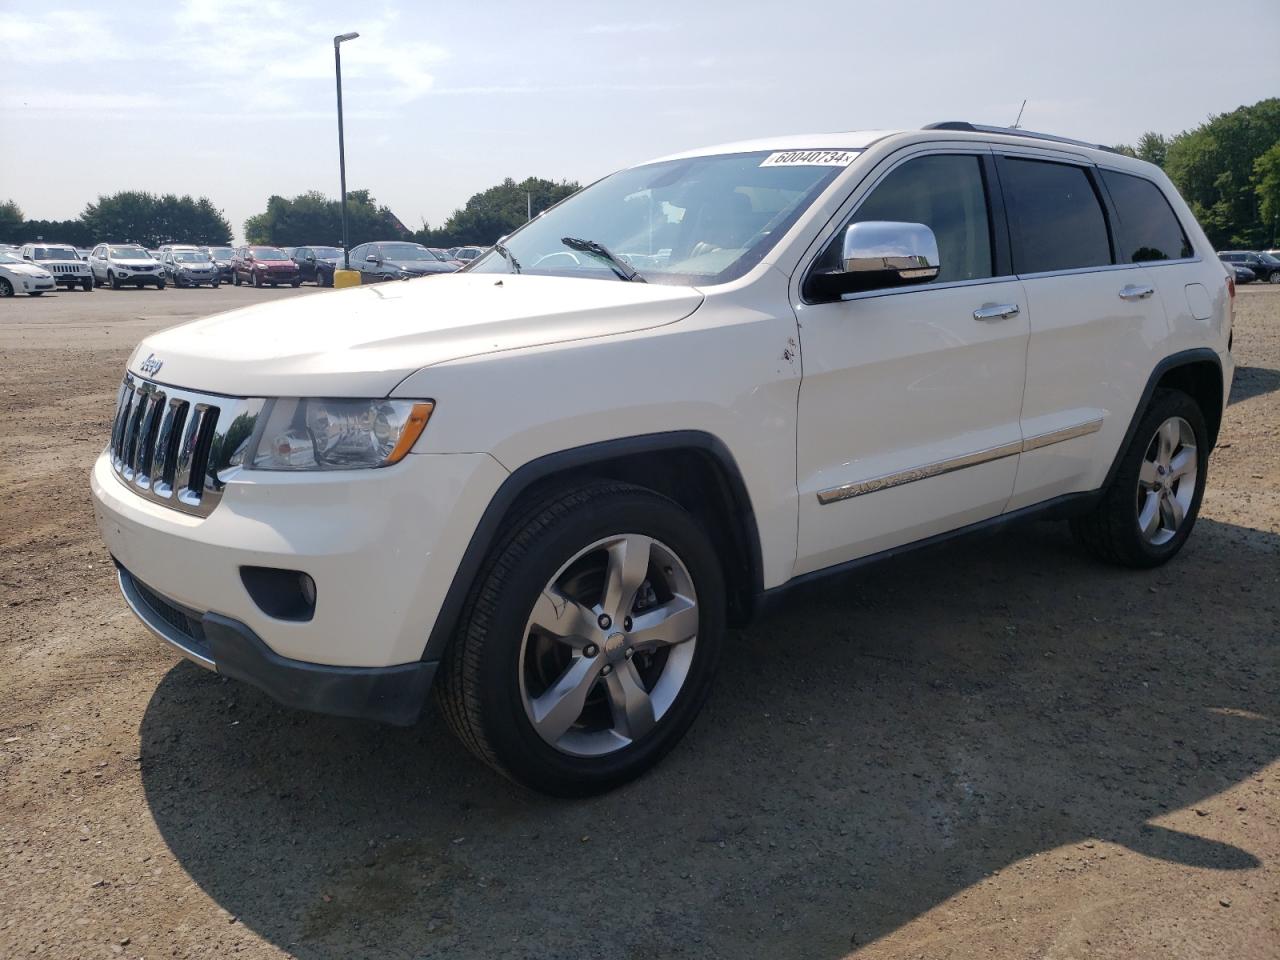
{"x":1055,"y":219}
{"x":946,"y":193}
{"x":1148,"y":228}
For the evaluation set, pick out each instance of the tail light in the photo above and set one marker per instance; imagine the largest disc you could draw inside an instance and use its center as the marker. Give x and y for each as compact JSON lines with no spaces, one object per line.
{"x":1231,"y":286}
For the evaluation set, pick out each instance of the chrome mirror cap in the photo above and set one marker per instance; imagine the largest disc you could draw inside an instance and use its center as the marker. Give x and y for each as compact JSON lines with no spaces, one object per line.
{"x":908,"y":252}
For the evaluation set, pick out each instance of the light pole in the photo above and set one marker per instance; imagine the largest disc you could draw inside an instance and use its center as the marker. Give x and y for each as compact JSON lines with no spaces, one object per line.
{"x":342,"y":151}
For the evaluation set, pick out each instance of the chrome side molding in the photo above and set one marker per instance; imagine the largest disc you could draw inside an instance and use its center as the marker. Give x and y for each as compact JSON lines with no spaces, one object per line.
{"x":860,"y":488}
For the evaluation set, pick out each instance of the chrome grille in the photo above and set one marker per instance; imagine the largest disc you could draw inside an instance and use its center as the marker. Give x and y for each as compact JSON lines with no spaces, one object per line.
{"x":177,"y":447}
{"x":63,"y":267}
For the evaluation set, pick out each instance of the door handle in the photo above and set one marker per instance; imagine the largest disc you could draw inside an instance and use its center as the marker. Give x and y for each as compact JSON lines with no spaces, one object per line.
{"x":997,"y":311}
{"x":1134,"y":292}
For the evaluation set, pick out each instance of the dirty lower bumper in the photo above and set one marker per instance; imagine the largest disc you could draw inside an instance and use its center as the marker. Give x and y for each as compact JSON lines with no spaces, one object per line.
{"x":394,"y":694}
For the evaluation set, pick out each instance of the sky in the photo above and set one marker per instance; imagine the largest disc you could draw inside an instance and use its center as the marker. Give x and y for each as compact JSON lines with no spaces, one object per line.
{"x":234,"y":99}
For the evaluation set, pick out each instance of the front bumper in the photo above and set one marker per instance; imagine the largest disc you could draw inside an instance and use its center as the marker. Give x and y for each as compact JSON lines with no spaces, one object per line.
{"x":389,"y":694}
{"x":382,"y":547}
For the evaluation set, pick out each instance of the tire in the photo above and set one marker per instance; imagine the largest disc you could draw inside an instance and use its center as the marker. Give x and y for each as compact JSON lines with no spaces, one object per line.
{"x":1150,"y":480}
{"x":6,"y":288}
{"x":214,"y":285}
{"x":113,"y":280}
{"x":160,"y":284}
{"x":323,"y":280}
{"x":86,"y":285}
{"x":235,"y":279}
{"x":257,"y":280}
{"x":296,"y":284}
{"x":501,"y":667}
{"x":36,"y":293}
{"x":1275,"y":277}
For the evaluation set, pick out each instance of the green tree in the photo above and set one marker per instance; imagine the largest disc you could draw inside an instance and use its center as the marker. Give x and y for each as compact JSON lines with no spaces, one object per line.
{"x":12,"y":222}
{"x":151,"y":220}
{"x":1266,"y":175}
{"x":1153,"y":148}
{"x":312,"y":218}
{"x":1214,"y":168}
{"x":495,"y":212}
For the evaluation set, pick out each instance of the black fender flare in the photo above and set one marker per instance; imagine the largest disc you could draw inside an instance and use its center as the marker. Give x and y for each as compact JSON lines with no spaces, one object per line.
{"x":523,"y":478}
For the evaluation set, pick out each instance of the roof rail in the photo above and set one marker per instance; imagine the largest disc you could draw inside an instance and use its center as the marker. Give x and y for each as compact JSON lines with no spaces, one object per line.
{"x":1013,"y":132}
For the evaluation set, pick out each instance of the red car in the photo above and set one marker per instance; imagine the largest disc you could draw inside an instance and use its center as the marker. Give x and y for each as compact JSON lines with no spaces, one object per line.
{"x":264,"y":266}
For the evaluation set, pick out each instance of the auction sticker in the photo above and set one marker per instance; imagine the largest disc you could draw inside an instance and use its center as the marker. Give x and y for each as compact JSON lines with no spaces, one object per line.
{"x":810,"y":158}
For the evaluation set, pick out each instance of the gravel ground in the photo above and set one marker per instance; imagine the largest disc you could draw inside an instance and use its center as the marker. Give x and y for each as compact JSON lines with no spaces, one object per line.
{"x":994,"y":748}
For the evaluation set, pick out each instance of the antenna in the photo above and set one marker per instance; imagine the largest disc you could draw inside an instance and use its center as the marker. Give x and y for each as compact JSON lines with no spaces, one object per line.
{"x":1017,"y":123}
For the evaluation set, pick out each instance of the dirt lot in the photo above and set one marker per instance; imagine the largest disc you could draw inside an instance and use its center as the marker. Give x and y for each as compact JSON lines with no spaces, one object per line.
{"x":995,"y":748}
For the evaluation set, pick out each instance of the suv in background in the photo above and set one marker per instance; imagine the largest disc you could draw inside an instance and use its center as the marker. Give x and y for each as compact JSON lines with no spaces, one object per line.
{"x":1265,"y":267}
{"x":466,"y":254}
{"x":317,"y":264}
{"x":396,"y":260}
{"x":118,"y":264}
{"x":262,"y":266}
{"x":61,"y":260}
{"x":543,"y":486}
{"x":222,"y":258}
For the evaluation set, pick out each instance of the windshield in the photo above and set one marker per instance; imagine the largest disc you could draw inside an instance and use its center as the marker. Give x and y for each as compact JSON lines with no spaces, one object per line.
{"x":268,"y":253}
{"x":326,"y":253}
{"x":405,"y":251}
{"x":1268,"y":259}
{"x":128,"y":253}
{"x":191,"y":256}
{"x":699,"y":220}
{"x":54,"y":253}
{"x":467,"y":253}
{"x":221,"y":253}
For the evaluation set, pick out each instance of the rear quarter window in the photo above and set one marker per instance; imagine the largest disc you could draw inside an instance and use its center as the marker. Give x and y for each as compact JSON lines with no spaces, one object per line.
{"x":1055,"y":217}
{"x":1148,"y":229}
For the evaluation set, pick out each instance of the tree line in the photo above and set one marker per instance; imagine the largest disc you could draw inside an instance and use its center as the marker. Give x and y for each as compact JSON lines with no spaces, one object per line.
{"x":308,"y":218}
{"x":1228,"y":171}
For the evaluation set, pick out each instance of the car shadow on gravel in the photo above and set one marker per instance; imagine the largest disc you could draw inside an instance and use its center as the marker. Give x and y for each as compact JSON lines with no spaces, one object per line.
{"x":875,"y":746}
{"x":1250,"y":382}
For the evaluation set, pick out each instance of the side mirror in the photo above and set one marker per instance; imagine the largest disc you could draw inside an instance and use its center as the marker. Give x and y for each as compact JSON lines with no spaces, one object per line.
{"x":311,"y":258}
{"x":371,"y":259}
{"x":878,"y":254}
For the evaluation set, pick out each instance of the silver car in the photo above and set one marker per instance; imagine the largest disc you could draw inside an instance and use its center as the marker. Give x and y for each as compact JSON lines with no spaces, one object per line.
{"x":191,"y":268}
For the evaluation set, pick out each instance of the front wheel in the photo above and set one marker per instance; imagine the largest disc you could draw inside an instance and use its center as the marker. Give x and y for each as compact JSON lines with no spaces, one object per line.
{"x":235,"y":279}
{"x":1274,"y":278}
{"x":114,"y":280}
{"x":295,"y":284}
{"x":6,"y":288}
{"x":589,"y":641}
{"x":1148,"y":510}
{"x":215,"y":284}
{"x":257,"y":280}
{"x":86,"y":285}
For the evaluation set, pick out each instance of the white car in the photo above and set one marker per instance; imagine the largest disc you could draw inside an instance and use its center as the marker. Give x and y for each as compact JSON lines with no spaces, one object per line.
{"x":118,"y":264}
{"x":544,"y":486}
{"x":62,"y":261}
{"x":18,"y":276}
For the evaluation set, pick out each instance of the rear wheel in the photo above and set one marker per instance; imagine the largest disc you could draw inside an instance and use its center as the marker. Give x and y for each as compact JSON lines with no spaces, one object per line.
{"x":1147,"y":512}
{"x":589,"y":641}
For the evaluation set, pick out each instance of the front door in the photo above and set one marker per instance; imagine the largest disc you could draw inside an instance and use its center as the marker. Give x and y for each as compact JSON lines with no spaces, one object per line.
{"x":909,"y":405}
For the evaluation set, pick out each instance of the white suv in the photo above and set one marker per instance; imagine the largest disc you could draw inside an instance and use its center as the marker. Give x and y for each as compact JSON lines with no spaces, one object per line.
{"x":61,"y":260}
{"x":546,"y":484}
{"x":118,"y":264}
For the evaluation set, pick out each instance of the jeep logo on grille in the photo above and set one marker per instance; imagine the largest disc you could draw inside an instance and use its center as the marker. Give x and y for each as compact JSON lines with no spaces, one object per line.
{"x":151,"y":366}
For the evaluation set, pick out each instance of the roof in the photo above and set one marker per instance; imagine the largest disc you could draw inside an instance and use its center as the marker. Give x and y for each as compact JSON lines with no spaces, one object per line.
{"x":849,"y":140}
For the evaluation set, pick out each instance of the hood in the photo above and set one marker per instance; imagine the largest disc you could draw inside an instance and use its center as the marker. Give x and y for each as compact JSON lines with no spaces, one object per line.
{"x":26,"y":270}
{"x":273,"y":263}
{"x":362,"y":341}
{"x":133,"y":263}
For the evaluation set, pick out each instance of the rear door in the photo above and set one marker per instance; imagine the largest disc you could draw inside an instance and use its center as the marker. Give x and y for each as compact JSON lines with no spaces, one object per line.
{"x":910,"y":397}
{"x":1094,"y":320}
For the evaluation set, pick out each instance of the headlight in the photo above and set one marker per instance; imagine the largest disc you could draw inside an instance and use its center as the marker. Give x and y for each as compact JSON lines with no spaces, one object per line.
{"x":316,"y":434}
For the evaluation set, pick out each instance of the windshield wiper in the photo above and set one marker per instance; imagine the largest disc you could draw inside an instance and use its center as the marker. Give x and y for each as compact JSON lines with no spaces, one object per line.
{"x":508,"y":256}
{"x":619,"y":266}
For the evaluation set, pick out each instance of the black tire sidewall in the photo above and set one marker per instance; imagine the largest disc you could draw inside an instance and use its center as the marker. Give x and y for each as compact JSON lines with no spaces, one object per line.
{"x":520,"y":748}
{"x":1166,"y":404}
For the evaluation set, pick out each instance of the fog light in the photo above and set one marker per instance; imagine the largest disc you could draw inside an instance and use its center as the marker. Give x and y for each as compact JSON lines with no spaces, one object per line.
{"x":282,"y":594}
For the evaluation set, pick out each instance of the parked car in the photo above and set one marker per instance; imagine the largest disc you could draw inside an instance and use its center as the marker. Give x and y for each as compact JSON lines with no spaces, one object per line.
{"x":190,"y":267}
{"x":62,"y":261}
{"x":467,"y":254}
{"x":317,"y":264}
{"x":395,"y":260}
{"x":447,"y":257}
{"x":1264,"y":266}
{"x":264,"y":266}
{"x":118,"y":264}
{"x":82,"y":253}
{"x":222,"y":258}
{"x":18,"y":276}
{"x":1241,"y":274}
{"x":546,"y":484}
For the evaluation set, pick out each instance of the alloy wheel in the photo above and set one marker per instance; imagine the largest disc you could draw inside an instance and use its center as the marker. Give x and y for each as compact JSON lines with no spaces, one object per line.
{"x":1167,"y":481}
{"x":609,"y":645}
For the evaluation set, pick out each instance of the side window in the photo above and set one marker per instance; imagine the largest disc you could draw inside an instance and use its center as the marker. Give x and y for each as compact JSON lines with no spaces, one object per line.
{"x":1055,"y":218}
{"x":1148,"y":228}
{"x":947,"y":194}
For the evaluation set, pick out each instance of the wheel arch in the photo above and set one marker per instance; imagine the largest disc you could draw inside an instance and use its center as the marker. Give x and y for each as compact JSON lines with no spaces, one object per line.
{"x":1196,"y":372}
{"x":693,"y":468}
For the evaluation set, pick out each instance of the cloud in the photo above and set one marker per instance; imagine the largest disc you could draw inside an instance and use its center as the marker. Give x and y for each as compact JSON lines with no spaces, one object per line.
{"x":57,"y":36}
{"x":648,"y":26}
